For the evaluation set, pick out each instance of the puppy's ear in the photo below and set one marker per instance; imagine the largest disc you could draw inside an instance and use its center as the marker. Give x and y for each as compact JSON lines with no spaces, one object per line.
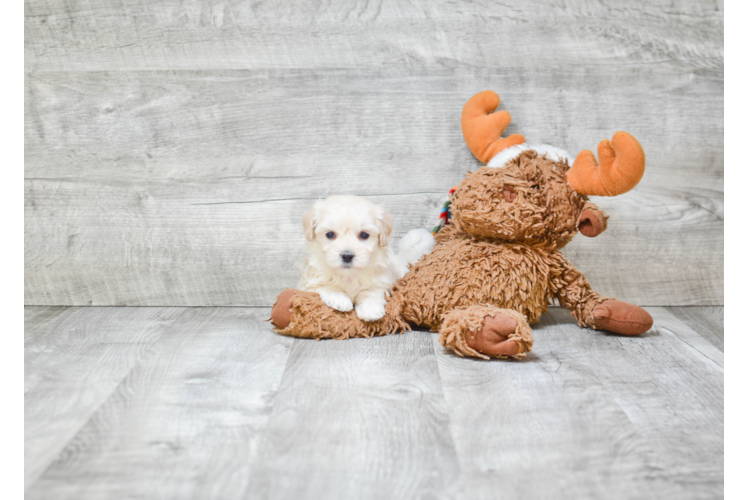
{"x":592,"y":221}
{"x":384,"y":223}
{"x":311,"y":219}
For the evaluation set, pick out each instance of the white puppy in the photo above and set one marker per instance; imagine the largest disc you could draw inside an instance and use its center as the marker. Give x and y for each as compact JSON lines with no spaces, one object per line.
{"x":348,"y":261}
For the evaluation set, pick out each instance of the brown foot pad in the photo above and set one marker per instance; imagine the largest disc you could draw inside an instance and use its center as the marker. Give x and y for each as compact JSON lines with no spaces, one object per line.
{"x":484,"y":331}
{"x":621,"y":317}
{"x":492,"y":339}
{"x":280,"y":315}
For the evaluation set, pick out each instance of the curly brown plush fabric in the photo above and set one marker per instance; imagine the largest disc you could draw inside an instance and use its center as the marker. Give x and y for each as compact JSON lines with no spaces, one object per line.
{"x":544,"y":211}
{"x":498,"y":265}
{"x":460,"y":321}
{"x":311,"y":318}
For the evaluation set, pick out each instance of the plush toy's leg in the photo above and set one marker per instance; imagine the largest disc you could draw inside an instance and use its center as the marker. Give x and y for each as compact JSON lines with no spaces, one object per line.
{"x":593,"y":310}
{"x":613,"y":315}
{"x":620,"y":317}
{"x":486,"y":331}
{"x":303,"y":314}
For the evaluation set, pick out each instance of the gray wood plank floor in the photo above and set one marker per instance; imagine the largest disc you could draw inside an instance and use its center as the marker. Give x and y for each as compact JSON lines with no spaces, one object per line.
{"x":210,"y":403}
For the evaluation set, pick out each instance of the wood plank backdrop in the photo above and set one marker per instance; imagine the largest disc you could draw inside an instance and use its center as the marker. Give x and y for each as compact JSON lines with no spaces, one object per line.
{"x":173,"y":146}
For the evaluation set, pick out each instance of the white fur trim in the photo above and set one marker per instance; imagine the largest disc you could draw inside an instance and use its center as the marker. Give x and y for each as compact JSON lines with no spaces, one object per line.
{"x":415,"y":244}
{"x":510,"y":153}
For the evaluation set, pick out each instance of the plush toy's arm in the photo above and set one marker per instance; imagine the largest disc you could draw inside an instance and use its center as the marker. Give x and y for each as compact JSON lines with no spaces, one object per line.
{"x":571,"y":289}
{"x":303,"y":314}
{"x":589,"y":308}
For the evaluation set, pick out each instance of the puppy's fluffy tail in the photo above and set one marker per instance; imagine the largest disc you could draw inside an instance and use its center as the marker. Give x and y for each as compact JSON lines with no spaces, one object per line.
{"x":414,"y":245}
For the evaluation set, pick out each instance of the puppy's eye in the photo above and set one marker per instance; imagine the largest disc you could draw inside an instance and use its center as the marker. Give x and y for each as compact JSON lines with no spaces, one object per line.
{"x":535,"y":187}
{"x":363,"y":235}
{"x":330,"y":235}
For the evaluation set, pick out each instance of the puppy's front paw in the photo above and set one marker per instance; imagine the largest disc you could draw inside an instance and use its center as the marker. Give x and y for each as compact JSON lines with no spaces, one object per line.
{"x":370,"y":310}
{"x":336,"y":300}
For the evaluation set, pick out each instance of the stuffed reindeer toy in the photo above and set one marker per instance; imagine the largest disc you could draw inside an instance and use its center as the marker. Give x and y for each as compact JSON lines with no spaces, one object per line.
{"x":497,"y":261}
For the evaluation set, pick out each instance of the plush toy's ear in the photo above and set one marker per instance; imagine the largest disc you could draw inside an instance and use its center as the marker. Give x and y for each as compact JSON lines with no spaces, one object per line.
{"x":384,"y":224}
{"x":310,"y":221}
{"x":592,"y":221}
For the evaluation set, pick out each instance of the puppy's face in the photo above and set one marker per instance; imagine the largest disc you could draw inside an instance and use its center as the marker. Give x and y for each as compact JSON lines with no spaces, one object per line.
{"x":348,"y":230}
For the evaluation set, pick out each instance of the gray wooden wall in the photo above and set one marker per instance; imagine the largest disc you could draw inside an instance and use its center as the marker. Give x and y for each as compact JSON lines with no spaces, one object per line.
{"x":173,"y":146}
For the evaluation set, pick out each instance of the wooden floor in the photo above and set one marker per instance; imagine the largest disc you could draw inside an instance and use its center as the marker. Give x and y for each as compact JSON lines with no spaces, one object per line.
{"x":150,"y":402}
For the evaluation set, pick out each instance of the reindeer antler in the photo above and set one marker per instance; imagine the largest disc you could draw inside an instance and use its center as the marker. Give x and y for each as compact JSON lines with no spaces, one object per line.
{"x":482,"y":130}
{"x":621,"y":167}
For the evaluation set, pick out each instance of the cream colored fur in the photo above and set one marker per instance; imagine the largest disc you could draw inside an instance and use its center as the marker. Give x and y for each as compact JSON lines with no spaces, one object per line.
{"x":336,"y":227}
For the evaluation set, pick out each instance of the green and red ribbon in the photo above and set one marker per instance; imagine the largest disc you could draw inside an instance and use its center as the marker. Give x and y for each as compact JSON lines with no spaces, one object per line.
{"x":444,"y":215}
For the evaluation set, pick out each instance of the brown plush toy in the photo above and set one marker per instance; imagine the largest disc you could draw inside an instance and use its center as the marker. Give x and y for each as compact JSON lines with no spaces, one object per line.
{"x":497,"y":265}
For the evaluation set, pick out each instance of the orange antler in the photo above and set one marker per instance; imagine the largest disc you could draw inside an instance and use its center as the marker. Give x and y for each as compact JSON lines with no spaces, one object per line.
{"x":621,"y":167}
{"x":482,"y":130}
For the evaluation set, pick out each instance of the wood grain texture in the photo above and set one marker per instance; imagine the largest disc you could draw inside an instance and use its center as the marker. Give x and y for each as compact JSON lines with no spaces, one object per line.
{"x":176,"y":34}
{"x":146,"y":244}
{"x":331,"y":127}
{"x":73,"y":360}
{"x":708,"y":321}
{"x":133,"y":235}
{"x":215,"y":405}
{"x":162,"y":138}
{"x":591,"y":415}
{"x":361,"y":418}
{"x":184,"y":422}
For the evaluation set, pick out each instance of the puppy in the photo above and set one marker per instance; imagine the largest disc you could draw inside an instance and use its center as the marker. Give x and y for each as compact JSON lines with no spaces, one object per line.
{"x":348,"y":262}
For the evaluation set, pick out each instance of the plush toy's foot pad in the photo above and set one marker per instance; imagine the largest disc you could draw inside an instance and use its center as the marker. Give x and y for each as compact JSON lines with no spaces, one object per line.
{"x":621,"y":317}
{"x":493,"y":338}
{"x":280,"y":315}
{"x":483,"y":331}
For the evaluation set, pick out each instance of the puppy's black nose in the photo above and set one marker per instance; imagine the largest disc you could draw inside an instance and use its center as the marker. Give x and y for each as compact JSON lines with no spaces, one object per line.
{"x":347,"y":257}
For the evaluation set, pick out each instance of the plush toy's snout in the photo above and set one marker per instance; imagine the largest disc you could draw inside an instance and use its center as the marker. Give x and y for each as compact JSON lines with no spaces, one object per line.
{"x":592,"y":221}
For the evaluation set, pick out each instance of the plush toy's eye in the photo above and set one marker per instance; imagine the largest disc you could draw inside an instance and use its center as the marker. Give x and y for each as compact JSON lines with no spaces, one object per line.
{"x":363,"y":235}
{"x":330,"y":235}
